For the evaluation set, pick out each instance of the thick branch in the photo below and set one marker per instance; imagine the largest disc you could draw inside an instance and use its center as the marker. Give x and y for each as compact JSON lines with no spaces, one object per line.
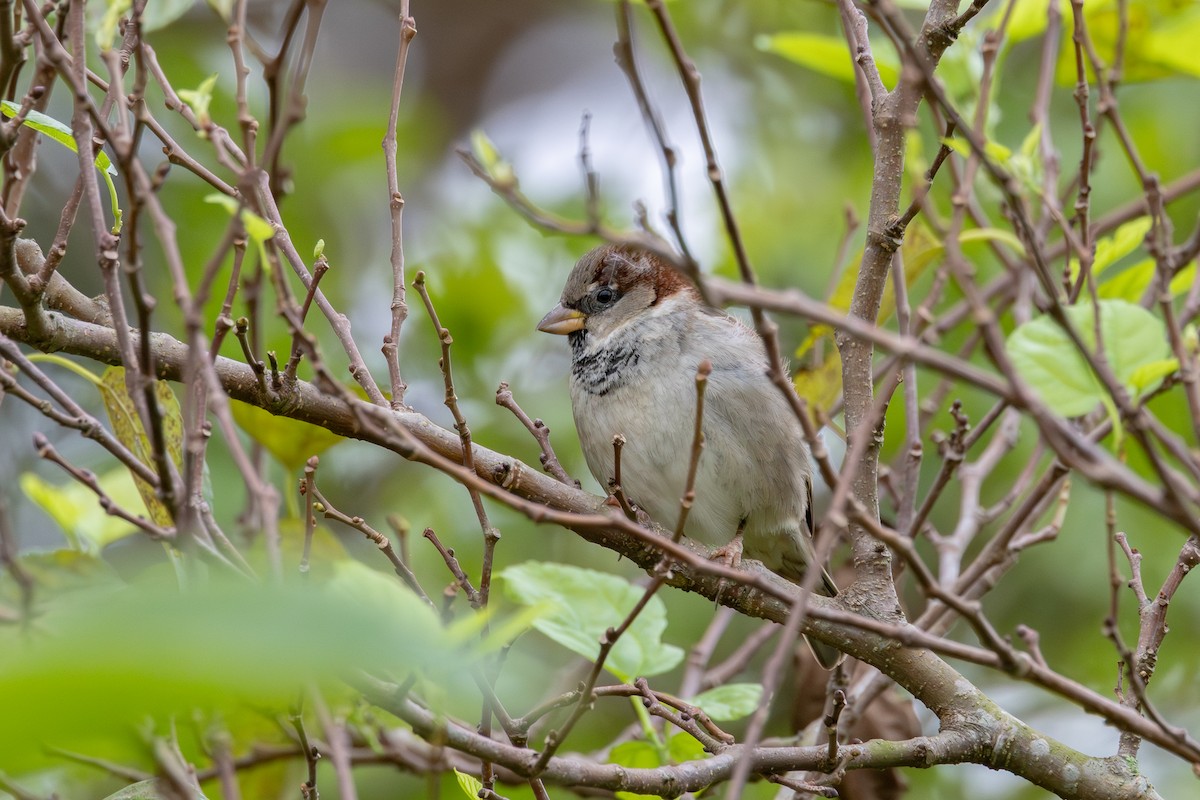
{"x":755,"y":591}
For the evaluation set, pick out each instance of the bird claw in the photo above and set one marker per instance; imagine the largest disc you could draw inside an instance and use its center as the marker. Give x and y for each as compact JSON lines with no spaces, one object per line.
{"x":730,"y":554}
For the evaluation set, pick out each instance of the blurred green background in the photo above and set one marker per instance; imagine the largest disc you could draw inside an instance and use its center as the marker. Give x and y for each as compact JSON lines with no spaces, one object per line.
{"x":791,"y":138}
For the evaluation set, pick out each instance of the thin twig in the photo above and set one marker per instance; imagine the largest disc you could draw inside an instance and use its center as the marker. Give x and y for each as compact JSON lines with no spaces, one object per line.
{"x":540,"y":432}
{"x":391,"y":342}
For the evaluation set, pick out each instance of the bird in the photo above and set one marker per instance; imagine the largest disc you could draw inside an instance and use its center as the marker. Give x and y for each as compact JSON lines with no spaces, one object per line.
{"x":638,"y":331}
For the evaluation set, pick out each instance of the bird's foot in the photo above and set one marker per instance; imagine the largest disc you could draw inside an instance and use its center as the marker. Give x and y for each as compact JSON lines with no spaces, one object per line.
{"x":730,"y":554}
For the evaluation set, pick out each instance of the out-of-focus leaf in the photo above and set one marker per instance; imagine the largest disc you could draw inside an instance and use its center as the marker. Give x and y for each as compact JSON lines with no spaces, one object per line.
{"x":291,"y":442}
{"x":162,"y":13}
{"x":153,"y":651}
{"x":1111,"y":249}
{"x":992,"y":235}
{"x":821,"y":385}
{"x":223,"y":7}
{"x":103,"y":18}
{"x":257,"y":228}
{"x":1147,"y":377}
{"x":1132,"y":283}
{"x":1183,"y":280}
{"x":731,"y":701}
{"x":1026,"y":163}
{"x":637,"y":754}
{"x":127,"y":427}
{"x":994,"y":150}
{"x":640,"y":754}
{"x":1028,"y":19}
{"x":200,"y":98}
{"x":106,"y":29}
{"x":1135,"y":342}
{"x":684,"y":747}
{"x":486,"y":153}
{"x":828,"y":55}
{"x":1160,"y":40}
{"x":77,"y":510}
{"x":1124,"y":241}
{"x":60,"y":577}
{"x":579,"y":605}
{"x":470,"y":785}
{"x":145,"y":790}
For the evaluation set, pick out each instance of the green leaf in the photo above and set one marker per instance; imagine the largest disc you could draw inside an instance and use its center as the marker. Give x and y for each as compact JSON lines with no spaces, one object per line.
{"x":1133,"y":282}
{"x":1135,"y":342}
{"x":684,"y":747}
{"x":828,"y":55}
{"x":993,"y":235}
{"x":57,"y":131}
{"x":637,"y":754}
{"x":1183,"y":280}
{"x":290,"y":441}
{"x":579,"y":605}
{"x":731,"y":701}
{"x":470,"y":785}
{"x":1128,"y":284}
{"x":49,"y":126}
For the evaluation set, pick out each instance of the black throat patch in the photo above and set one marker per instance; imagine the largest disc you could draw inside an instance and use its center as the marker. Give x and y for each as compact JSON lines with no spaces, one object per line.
{"x":598,"y":372}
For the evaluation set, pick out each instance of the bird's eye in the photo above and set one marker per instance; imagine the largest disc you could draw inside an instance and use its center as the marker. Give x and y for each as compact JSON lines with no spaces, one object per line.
{"x":605,"y":295}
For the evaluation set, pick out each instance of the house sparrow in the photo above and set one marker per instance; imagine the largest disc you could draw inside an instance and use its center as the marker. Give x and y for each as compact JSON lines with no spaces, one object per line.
{"x":638,"y":331}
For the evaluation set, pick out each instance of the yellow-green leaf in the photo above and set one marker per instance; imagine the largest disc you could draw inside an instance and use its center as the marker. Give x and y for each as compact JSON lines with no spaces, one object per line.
{"x":257,"y":228}
{"x":821,"y":386}
{"x":1147,"y":377}
{"x":200,"y":99}
{"x":291,"y":442}
{"x":828,"y":55}
{"x":127,"y":427}
{"x":470,"y":785}
{"x":76,"y":509}
{"x":486,"y":154}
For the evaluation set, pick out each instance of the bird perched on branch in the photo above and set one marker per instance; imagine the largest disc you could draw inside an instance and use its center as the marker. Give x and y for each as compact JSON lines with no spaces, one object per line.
{"x":638,"y":332}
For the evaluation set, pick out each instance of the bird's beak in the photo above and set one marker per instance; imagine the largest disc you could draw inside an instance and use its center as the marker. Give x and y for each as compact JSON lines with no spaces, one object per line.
{"x":561,"y":320}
